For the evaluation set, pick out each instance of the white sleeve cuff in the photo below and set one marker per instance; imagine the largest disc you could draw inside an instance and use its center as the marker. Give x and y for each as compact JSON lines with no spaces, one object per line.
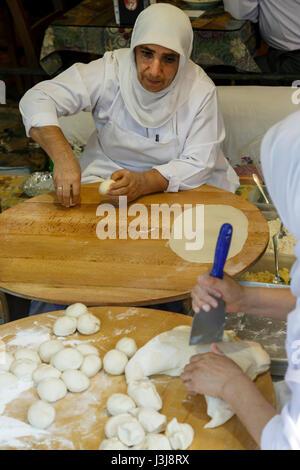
{"x":174,"y":181}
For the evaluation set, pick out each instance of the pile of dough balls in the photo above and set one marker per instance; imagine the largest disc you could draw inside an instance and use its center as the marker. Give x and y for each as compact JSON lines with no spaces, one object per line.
{"x":135,"y":421}
{"x":54,"y":368}
{"x":76,"y":317}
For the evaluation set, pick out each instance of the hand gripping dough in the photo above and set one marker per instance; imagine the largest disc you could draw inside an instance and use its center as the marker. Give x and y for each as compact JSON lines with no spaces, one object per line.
{"x":91,"y":364}
{"x":51,"y":389}
{"x":119,"y":403}
{"x":180,"y":435}
{"x":23,"y":368}
{"x":127,"y":346}
{"x":75,"y":380}
{"x":144,"y":393}
{"x":45,"y":371}
{"x":105,"y":185}
{"x":112,"y":444}
{"x":151,"y":420}
{"x":49,"y":348}
{"x":75,"y":310}
{"x":26,"y":353}
{"x":169,"y":352}
{"x":114,"y":362}
{"x":67,"y":358}
{"x":88,"y":324}
{"x":41,"y":414}
{"x":112,"y":424}
{"x":64,"y":326}
{"x":7,"y":379}
{"x":131,"y":433}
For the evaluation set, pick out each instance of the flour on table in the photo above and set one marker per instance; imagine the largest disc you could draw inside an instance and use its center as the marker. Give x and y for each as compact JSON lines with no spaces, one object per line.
{"x":169,"y":352}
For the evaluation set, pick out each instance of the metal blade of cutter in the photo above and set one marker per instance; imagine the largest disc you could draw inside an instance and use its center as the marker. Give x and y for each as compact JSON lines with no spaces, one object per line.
{"x":208,"y":327}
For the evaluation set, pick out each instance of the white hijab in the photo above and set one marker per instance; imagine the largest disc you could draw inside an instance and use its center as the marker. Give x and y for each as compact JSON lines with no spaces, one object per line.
{"x":167,"y":26}
{"x":280,"y":158}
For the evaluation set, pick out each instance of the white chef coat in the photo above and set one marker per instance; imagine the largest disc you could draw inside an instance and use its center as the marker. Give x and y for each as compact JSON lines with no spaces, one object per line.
{"x":281,"y":167}
{"x":279,"y":20}
{"x":186,"y":150}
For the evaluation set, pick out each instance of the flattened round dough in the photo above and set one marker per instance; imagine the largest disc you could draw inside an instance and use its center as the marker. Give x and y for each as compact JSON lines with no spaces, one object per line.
{"x":127,"y":346}
{"x":214,"y":217}
{"x":7,"y":379}
{"x":91,"y":364}
{"x":87,"y":349}
{"x":23,"y":368}
{"x":26,"y":353}
{"x":41,"y":414}
{"x":45,"y":371}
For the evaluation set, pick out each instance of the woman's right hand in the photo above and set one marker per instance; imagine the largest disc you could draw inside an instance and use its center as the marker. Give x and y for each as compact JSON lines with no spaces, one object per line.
{"x":227,"y":288}
{"x":66,"y":178}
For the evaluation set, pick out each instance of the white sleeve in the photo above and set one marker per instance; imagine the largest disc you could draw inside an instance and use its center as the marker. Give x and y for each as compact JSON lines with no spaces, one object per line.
{"x":243,"y":9}
{"x":76,"y":89}
{"x":201,"y":151}
{"x":283,"y":431}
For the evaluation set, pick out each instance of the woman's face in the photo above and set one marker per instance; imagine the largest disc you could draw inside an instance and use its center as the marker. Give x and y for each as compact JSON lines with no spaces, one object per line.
{"x":156,"y":66}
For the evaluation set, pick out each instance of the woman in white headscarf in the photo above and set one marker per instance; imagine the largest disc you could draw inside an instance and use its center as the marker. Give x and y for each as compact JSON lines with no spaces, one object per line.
{"x":158,"y":125}
{"x":217,"y":375}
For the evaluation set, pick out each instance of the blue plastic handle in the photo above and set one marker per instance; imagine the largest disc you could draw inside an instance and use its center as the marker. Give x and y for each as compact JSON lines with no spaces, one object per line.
{"x":222,"y":249}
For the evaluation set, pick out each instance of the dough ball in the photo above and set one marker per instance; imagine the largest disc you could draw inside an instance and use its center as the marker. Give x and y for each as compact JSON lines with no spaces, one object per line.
{"x":144,"y":393}
{"x":180,"y":435}
{"x":119,"y":403}
{"x":6,"y":360}
{"x":151,"y":420}
{"x":51,"y":389}
{"x":105,"y":185}
{"x":41,"y":414}
{"x":75,"y":310}
{"x":127,"y":346}
{"x":156,"y":442}
{"x":67,"y":358}
{"x":23,"y":368}
{"x":26,"y":353}
{"x":64,"y":326}
{"x":91,"y":364}
{"x":114,"y":362}
{"x":111,"y":426}
{"x":49,"y":348}
{"x":88,"y":324}
{"x":112,"y":444}
{"x":75,"y":380}
{"x":7,"y":379}
{"x":131,"y":433}
{"x":87,"y":349}
{"x":45,"y":371}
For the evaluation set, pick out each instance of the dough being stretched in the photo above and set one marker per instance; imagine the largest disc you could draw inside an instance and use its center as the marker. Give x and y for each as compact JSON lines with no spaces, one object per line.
{"x":169,"y":352}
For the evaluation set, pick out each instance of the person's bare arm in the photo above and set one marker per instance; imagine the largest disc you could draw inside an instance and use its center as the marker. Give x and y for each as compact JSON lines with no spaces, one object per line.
{"x":66,"y":172}
{"x":265,"y":302}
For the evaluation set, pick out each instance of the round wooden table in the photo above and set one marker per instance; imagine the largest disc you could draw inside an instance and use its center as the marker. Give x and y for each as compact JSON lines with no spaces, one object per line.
{"x":80,"y":417}
{"x":53,"y":254}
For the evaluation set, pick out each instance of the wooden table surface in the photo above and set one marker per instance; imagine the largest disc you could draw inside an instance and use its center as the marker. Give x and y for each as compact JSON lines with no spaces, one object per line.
{"x":80,"y":417}
{"x":52,"y":253}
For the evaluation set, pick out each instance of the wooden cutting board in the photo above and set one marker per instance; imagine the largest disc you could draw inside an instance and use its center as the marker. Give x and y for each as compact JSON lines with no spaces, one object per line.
{"x":52,"y":253}
{"x":80,"y":417}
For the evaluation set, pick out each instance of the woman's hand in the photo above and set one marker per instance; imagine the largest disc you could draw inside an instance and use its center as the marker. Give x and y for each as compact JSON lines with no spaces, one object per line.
{"x":210,"y":373}
{"x":66,"y":178}
{"x":227,"y":288}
